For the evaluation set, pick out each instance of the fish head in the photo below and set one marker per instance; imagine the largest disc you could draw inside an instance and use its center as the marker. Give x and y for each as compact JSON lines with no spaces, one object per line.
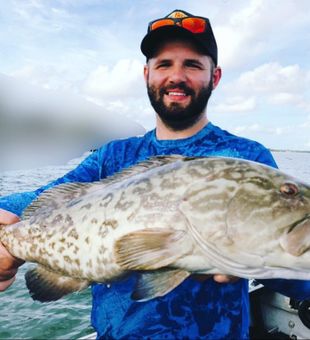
{"x":270,"y":209}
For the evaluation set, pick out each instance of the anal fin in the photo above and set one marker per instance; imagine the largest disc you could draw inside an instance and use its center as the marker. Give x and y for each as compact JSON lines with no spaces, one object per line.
{"x":154,"y":284}
{"x":45,"y":285}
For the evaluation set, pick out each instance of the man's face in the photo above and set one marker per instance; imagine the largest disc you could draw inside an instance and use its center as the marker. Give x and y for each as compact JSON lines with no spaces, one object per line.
{"x":179,"y":83}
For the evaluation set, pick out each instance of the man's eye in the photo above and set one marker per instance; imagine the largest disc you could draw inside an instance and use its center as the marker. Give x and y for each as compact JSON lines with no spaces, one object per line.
{"x":163,"y":65}
{"x":194,"y":65}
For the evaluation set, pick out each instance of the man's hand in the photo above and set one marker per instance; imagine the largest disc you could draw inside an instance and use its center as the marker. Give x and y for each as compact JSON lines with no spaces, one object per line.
{"x":220,"y":278}
{"x":225,"y":278}
{"x":8,"y":263}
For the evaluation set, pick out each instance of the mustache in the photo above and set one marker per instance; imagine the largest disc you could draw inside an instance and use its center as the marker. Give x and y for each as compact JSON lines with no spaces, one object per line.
{"x":180,"y":86}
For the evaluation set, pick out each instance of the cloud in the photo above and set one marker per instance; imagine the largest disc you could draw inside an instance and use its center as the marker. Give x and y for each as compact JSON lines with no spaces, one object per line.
{"x":285,"y":98}
{"x":272,"y":82}
{"x":45,"y":76}
{"x":273,"y":78}
{"x":124,"y":79}
{"x":306,"y":123}
{"x":292,"y":136}
{"x":259,"y":28}
{"x":236,"y":104}
{"x":243,"y":128}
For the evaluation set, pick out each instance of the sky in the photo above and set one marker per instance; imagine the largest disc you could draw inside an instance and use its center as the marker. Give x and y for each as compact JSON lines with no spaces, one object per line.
{"x":90,"y":49}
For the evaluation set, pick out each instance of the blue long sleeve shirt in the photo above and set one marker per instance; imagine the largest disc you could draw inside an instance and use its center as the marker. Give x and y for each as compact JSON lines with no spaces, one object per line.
{"x":205,"y":310}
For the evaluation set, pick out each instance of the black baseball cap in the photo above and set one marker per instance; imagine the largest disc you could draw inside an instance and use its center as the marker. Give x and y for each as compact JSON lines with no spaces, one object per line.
{"x":180,"y":24}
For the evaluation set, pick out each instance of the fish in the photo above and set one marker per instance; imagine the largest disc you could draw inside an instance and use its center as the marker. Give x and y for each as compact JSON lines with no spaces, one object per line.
{"x":165,"y":219}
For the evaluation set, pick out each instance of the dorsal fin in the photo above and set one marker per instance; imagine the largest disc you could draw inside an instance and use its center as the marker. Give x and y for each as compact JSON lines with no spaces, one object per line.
{"x":55,"y":197}
{"x":59,"y":195}
{"x":143,"y":166}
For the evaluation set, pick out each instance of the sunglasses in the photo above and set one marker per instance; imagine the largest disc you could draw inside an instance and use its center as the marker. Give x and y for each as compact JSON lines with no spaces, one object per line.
{"x":192,"y":24}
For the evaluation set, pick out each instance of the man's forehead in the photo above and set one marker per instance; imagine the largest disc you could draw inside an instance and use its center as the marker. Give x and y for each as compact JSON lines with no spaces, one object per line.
{"x":178,"y":51}
{"x":173,"y":46}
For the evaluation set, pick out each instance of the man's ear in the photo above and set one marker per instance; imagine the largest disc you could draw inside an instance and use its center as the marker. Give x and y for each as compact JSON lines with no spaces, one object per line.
{"x":216,"y":77}
{"x":146,"y":72}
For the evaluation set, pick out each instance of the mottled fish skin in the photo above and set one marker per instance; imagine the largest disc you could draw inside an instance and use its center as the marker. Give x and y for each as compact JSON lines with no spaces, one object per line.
{"x":178,"y":214}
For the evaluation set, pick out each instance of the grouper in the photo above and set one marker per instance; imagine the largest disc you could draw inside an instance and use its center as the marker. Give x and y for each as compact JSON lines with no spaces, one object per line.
{"x":165,"y":219}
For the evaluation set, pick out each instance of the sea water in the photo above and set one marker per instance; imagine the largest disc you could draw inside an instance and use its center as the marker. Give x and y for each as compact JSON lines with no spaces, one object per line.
{"x":69,"y":318}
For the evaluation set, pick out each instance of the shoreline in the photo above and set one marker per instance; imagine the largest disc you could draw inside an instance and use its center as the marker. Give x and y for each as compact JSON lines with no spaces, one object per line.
{"x":288,"y":150}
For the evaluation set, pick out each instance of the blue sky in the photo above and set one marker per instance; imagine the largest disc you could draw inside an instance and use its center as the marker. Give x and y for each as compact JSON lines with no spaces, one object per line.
{"x":91,"y":49}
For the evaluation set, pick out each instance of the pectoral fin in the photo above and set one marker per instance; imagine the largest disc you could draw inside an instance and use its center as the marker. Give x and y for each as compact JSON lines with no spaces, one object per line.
{"x":45,"y":285}
{"x":157,"y":283}
{"x":150,"y":249}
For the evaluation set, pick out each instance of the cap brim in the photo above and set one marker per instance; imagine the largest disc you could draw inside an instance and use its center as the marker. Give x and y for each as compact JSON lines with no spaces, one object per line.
{"x":151,"y":41}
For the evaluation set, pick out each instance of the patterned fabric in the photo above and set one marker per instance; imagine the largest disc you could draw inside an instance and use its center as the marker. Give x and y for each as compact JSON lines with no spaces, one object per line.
{"x":204,"y":310}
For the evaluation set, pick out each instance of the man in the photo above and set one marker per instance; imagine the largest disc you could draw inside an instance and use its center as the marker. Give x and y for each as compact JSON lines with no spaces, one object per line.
{"x":180,"y":74}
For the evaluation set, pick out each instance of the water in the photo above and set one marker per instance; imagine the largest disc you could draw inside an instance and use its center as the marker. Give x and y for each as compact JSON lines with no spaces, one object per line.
{"x":69,"y":318}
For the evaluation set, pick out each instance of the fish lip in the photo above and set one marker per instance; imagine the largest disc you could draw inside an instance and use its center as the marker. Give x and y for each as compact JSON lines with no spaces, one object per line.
{"x":296,"y":241}
{"x":298,"y":222}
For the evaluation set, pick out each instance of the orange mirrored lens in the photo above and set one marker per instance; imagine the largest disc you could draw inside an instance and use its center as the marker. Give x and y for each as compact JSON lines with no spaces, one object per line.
{"x":195,"y":25}
{"x":162,"y":22}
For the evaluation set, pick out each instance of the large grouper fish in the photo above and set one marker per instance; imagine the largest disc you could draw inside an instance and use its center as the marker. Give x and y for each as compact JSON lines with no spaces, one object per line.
{"x":166,"y":218}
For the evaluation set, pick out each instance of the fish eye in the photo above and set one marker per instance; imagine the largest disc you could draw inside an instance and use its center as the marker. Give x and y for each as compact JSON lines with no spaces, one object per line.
{"x":289,"y":189}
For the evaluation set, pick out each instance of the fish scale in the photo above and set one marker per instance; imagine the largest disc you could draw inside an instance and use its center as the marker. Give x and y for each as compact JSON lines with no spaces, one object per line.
{"x":167,"y":218}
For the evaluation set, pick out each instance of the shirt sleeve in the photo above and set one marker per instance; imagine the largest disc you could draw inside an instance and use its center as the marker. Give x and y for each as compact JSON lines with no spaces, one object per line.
{"x":87,"y":171}
{"x":265,"y":157}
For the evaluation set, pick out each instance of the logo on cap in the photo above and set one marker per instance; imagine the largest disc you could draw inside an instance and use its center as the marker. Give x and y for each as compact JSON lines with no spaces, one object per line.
{"x":177,"y":14}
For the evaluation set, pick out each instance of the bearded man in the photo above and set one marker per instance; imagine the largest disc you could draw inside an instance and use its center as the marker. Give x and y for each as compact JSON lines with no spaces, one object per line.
{"x":181,"y":73}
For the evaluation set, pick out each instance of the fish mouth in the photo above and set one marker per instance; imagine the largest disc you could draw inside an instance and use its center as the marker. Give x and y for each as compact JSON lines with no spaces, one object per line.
{"x":306,"y":219}
{"x":297,"y":240}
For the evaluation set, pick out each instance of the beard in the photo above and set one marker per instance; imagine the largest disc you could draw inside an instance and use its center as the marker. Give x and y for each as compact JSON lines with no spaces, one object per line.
{"x":175,"y":116}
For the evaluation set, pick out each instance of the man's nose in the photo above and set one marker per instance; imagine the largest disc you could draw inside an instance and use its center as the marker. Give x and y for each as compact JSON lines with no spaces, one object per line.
{"x":177,"y":75}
